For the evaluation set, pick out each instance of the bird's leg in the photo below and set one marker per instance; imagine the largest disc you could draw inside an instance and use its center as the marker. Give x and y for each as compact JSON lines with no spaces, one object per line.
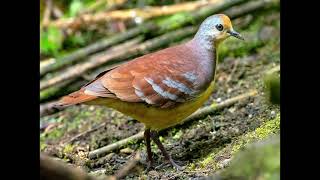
{"x":147,"y":139}
{"x":155,"y":138}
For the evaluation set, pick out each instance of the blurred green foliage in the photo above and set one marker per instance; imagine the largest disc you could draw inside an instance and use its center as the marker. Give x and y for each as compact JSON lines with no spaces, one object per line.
{"x":141,"y":3}
{"x":75,"y":7}
{"x":51,"y":41}
{"x":54,"y":44}
{"x":272,"y":82}
{"x":260,"y":160}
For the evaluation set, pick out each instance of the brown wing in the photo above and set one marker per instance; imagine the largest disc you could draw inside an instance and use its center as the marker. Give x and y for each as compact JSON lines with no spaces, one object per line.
{"x":164,"y":79}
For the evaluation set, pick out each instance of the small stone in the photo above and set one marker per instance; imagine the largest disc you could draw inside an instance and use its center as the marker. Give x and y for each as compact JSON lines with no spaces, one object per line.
{"x":224,"y":163}
{"x":235,"y":130}
{"x":153,"y":174}
{"x":126,"y":151}
{"x":113,"y":114}
{"x":232,"y":110}
{"x":138,"y":20}
{"x":218,"y":100}
{"x":109,"y":156}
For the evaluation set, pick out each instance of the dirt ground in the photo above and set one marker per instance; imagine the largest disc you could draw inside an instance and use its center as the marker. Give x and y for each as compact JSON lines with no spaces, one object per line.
{"x":202,"y":146}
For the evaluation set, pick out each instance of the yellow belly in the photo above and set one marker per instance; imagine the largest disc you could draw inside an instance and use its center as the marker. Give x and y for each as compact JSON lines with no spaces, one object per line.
{"x":153,"y":117}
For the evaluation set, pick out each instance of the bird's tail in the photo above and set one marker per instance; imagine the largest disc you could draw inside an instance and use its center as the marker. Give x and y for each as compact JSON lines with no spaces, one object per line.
{"x":74,"y":98}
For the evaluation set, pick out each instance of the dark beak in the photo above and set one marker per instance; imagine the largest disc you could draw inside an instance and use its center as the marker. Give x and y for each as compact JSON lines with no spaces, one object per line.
{"x":235,"y":34}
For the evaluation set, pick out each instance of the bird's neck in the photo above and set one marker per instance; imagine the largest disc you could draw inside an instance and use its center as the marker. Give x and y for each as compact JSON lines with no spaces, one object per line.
{"x":205,"y":46}
{"x":204,"y":41}
{"x":206,"y":51}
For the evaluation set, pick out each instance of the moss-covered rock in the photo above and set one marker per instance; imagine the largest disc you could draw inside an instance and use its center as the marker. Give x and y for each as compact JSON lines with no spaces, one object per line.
{"x":260,"y":160}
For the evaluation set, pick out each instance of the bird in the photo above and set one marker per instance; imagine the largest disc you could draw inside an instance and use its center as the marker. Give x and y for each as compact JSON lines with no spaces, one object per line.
{"x":162,"y":88}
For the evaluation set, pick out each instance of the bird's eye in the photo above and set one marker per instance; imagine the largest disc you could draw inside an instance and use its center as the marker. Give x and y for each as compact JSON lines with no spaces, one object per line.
{"x":219,"y":27}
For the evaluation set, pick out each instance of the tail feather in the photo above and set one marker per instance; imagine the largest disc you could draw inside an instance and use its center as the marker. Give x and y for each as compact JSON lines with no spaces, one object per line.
{"x":74,"y":98}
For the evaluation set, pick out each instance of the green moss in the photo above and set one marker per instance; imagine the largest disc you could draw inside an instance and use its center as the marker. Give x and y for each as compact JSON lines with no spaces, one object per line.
{"x":54,"y":133}
{"x":208,"y":160}
{"x":161,"y":139}
{"x":42,"y":146}
{"x":178,"y":135}
{"x":68,"y":149}
{"x":74,"y":121}
{"x":175,"y":21}
{"x":262,"y":132}
{"x":191,"y":166}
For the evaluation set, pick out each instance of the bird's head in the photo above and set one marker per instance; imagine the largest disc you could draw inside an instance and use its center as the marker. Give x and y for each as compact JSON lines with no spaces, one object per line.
{"x":217,"y":28}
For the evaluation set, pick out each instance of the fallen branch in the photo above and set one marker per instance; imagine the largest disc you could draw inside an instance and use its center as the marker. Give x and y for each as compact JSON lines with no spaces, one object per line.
{"x":197,"y":115}
{"x":215,"y":107}
{"x":127,"y":14}
{"x":84,"y":52}
{"x":61,"y":89}
{"x":51,"y":169}
{"x":48,"y":108}
{"x":96,"y":153}
{"x":157,"y":28}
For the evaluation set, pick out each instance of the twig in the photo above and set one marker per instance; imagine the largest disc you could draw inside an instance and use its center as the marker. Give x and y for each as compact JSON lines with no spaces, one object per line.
{"x":125,"y":170}
{"x":215,"y":107}
{"x":198,"y":114}
{"x":85,"y":133}
{"x":51,"y":169}
{"x":47,"y":13}
{"x":96,"y":153}
{"x":56,"y":12}
{"x":235,"y":65}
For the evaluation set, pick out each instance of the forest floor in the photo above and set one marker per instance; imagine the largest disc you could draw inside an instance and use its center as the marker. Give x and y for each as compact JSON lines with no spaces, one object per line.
{"x":202,"y":146}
